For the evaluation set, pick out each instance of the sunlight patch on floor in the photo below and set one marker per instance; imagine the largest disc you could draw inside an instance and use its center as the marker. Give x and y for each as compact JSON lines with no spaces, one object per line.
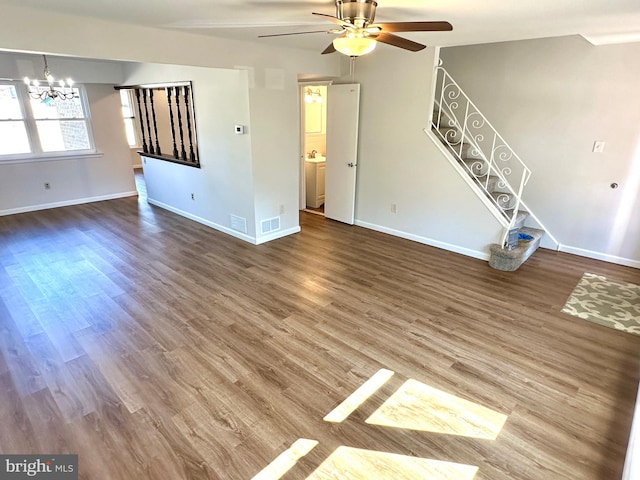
{"x":286,"y":460}
{"x":347,"y":463}
{"x":416,"y":406}
{"x":357,"y":398}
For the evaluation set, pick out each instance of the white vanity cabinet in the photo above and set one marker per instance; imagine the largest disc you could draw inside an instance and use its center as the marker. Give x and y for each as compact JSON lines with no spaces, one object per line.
{"x":314,"y":176}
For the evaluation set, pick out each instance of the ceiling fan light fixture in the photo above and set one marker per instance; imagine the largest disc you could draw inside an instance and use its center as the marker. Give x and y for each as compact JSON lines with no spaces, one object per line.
{"x":354,"y":44}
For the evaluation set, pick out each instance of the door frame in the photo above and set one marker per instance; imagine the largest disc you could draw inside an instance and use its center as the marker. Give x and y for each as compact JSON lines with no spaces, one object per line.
{"x":302,"y":200}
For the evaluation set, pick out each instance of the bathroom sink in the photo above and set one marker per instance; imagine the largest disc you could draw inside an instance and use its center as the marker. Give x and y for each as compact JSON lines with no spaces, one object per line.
{"x":318,"y":159}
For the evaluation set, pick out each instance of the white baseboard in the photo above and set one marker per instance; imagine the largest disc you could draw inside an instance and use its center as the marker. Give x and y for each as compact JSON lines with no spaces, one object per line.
{"x":485,"y":256}
{"x":204,"y":221}
{"x":628,"y":262}
{"x":67,"y":203}
{"x":223,"y":229}
{"x":276,"y":235}
{"x":427,"y":241}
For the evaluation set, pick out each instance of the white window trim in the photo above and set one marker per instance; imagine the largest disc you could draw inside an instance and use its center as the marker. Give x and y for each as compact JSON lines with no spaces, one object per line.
{"x":135,"y":120}
{"x":36,"y":154}
{"x":4,"y":160}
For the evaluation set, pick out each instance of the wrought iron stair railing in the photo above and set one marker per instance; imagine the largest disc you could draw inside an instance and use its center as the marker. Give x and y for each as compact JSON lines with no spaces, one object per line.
{"x":476,"y":145}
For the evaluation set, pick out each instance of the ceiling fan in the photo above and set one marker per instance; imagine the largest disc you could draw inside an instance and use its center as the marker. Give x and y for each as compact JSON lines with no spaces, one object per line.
{"x":358,"y":34}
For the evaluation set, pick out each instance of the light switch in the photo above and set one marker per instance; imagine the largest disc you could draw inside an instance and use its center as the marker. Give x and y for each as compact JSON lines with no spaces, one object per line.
{"x":598,"y":146}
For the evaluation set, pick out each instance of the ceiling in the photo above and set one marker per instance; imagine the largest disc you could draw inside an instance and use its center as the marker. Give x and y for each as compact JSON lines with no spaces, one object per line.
{"x":473,"y":21}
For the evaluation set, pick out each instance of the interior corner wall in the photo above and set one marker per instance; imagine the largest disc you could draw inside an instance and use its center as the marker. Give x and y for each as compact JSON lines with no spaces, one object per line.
{"x":275,"y":143}
{"x":551,"y":99}
{"x":399,"y":164}
{"x":223,"y":186}
{"x":75,"y":180}
{"x":273,"y":123}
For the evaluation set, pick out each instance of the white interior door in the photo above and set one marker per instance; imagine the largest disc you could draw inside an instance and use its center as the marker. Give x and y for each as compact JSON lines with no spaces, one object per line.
{"x":343,"y":108}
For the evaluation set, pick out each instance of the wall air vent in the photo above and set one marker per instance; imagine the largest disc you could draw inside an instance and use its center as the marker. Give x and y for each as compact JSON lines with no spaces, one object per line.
{"x":270,"y":225}
{"x":238,"y":223}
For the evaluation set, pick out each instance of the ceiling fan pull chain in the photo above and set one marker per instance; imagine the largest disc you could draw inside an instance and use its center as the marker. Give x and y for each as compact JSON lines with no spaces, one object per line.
{"x":352,"y":68}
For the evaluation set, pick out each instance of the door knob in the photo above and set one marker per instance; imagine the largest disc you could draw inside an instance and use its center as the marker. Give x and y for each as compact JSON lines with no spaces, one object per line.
{"x":351,"y":165}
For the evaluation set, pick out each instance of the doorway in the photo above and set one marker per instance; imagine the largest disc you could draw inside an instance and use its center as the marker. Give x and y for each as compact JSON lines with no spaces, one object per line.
{"x":314,"y":146}
{"x":329,"y":143}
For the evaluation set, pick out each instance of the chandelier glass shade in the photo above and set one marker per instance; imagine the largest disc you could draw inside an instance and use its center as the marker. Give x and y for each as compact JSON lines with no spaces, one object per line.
{"x":354,"y":44}
{"x":53,"y":89}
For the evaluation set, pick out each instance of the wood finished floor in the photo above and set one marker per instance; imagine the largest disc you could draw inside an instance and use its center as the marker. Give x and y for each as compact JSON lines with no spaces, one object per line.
{"x":157,"y":348}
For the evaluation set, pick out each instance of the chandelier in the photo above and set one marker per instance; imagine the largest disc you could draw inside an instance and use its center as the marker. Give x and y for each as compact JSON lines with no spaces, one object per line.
{"x":63,"y":91}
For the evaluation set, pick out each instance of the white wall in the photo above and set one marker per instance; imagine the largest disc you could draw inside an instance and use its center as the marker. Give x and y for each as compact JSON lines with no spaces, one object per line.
{"x":224,"y":184}
{"x":74,"y":180}
{"x":399,"y":164}
{"x":30,"y":30}
{"x":250,"y":176}
{"x":16,"y":66}
{"x":268,"y":177}
{"x":274,"y":130}
{"x":551,"y":99}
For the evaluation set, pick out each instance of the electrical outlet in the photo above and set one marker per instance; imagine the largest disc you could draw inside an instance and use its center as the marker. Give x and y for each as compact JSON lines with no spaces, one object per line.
{"x":281,"y":209}
{"x":193,"y":196}
{"x":598,"y":146}
{"x":47,"y":186}
{"x":394,"y":208}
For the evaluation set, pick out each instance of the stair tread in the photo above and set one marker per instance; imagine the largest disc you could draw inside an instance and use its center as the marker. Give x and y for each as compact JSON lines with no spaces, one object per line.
{"x":534,"y":232}
{"x":521,"y":217}
{"x":524,"y":249}
{"x":486,"y":183}
{"x":504,"y":200}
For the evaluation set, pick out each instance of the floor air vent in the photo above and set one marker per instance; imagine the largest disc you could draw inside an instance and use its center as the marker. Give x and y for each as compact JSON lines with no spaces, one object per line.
{"x":270,"y":225}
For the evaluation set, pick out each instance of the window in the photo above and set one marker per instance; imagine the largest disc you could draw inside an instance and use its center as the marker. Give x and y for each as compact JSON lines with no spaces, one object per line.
{"x":13,"y":131}
{"x":34,"y":128}
{"x":129,"y":117}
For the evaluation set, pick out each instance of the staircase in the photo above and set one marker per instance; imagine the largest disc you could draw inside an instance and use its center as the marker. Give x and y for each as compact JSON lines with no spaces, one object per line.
{"x":490,"y":167}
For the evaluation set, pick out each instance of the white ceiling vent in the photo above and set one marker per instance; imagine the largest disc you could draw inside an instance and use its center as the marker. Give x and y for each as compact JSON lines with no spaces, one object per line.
{"x":270,"y":225}
{"x":239,"y":223}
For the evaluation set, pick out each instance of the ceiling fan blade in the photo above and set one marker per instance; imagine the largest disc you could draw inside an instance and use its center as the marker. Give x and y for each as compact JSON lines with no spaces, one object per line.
{"x":333,"y":19}
{"x":415,"y":26}
{"x":294,"y":33}
{"x":329,"y":49}
{"x":396,"y":41}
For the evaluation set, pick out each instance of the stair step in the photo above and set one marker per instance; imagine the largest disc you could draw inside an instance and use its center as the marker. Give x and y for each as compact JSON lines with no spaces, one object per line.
{"x":504,"y":200}
{"x":476,"y":166}
{"x":521,"y":217}
{"x":443,"y":118}
{"x":490,"y":184}
{"x":510,"y":260}
{"x":467,"y":151}
{"x":451,"y":135}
